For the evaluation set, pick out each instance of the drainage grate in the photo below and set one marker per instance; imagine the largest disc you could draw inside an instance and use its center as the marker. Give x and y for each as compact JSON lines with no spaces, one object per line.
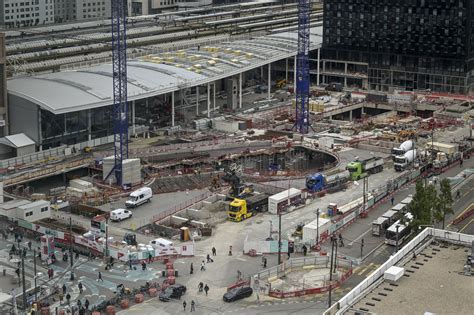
{"x":416,"y":267}
{"x":382,"y":294}
{"x":371,"y":304}
{"x":419,"y":263}
{"x":388,"y":289}
{"x":394,"y":284}
{"x":376,"y":299}
{"x":411,"y":271}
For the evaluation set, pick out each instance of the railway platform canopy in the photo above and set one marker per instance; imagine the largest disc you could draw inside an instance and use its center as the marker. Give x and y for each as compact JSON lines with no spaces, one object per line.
{"x":90,"y":87}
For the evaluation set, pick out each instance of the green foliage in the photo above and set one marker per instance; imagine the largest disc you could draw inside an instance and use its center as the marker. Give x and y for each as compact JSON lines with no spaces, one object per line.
{"x":424,"y":202}
{"x":444,"y":203}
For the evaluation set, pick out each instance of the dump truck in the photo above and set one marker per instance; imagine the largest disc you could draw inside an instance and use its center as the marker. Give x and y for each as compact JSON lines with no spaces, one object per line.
{"x":402,"y":162}
{"x":318,"y":182}
{"x":241,"y":209}
{"x":402,"y":149}
{"x":360,"y":169}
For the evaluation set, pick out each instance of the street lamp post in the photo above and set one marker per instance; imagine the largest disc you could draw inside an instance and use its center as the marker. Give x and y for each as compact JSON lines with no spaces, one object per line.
{"x":396,"y":243}
{"x":317,"y":226}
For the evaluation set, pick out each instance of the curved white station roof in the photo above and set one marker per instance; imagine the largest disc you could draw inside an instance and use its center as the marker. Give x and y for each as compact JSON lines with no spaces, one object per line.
{"x":152,"y":75}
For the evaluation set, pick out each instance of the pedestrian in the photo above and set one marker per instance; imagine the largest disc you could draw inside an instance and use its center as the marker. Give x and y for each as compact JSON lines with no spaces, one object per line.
{"x":80,"y":287}
{"x":203,"y":266}
{"x":79,"y":304}
{"x":289,"y":255}
{"x":61,"y":297}
{"x":460,"y":163}
{"x":341,"y":240}
{"x":209,"y":259}
{"x":414,"y":255}
{"x":150,"y":258}
{"x":77,"y":255}
{"x":200,"y":286}
{"x":68,"y":299}
{"x":50,"y":273}
{"x":64,"y":288}
{"x":392,"y":200}
{"x":99,"y":278}
{"x":192,"y":269}
{"x":184,"y":306}
{"x":82,"y":311}
{"x":214,"y":251}
{"x":90,"y":256}
{"x":193,"y":306}
{"x":71,"y":277}
{"x":206,"y":289}
{"x":458,"y":194}
{"x":86,"y":304}
{"x":239,"y":275}
{"x":265,"y":262}
{"x":143,"y":266}
{"x":230,"y":250}
{"x":29,"y":245}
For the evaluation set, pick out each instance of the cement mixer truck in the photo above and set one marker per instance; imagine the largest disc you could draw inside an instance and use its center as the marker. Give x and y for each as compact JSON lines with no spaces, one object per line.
{"x":402,"y":149}
{"x":402,"y":162}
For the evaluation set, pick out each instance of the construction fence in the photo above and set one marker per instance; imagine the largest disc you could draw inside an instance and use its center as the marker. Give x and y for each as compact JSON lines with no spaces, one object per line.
{"x":343,"y":271}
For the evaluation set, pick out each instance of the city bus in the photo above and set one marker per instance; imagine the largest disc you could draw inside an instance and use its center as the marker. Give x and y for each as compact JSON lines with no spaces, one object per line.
{"x":403,"y":231}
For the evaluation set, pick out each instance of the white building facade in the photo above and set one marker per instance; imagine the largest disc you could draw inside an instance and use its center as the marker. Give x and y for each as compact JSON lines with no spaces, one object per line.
{"x":82,"y":10}
{"x":21,"y":13}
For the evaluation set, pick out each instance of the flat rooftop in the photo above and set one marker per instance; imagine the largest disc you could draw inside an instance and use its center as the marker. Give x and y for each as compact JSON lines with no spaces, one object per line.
{"x":438,"y":286}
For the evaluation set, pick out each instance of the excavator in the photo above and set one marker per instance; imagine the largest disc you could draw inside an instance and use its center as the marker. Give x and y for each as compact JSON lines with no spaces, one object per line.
{"x":238,"y":189}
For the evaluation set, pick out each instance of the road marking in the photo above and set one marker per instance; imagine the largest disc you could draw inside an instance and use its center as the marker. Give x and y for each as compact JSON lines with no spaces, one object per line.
{"x":365,"y":269}
{"x":241,"y":259}
{"x":472,"y":220}
{"x":360,"y":236}
{"x":458,"y":216}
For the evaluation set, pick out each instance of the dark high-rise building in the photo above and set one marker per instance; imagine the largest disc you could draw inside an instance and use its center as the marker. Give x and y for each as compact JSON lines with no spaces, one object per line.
{"x":407,"y":44}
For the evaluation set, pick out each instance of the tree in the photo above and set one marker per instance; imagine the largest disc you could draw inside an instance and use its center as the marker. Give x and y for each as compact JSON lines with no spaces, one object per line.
{"x":444,"y":203}
{"x":424,"y":202}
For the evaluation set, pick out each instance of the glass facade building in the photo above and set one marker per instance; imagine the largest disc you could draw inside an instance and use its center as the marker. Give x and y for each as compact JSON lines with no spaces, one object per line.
{"x":408,"y":44}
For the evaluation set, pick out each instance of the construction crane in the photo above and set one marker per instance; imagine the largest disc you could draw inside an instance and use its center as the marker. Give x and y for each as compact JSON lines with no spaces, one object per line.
{"x":119,"y":69}
{"x":302,"y":68}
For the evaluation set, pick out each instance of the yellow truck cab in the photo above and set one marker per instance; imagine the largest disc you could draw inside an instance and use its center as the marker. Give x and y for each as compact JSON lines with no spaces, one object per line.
{"x":241,"y":209}
{"x":238,"y":210}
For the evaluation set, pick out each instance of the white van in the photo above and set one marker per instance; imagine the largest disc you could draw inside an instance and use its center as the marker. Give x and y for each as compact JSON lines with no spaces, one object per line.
{"x":138,"y":197}
{"x":120,"y":214}
{"x":161,"y":244}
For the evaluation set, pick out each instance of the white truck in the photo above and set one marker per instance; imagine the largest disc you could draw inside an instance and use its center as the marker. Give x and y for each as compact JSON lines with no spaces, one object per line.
{"x":402,"y":149}
{"x":402,"y":162}
{"x":138,"y":197}
{"x":284,"y":199}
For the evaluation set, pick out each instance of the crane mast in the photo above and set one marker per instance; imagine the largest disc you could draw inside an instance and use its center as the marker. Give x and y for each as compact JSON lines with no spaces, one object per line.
{"x":302,"y":68}
{"x":119,"y":68}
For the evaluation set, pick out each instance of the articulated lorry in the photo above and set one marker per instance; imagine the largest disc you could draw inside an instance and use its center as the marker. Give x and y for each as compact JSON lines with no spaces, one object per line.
{"x":402,"y":162}
{"x":402,"y":149}
{"x":241,"y":209}
{"x":361,"y":169}
{"x":318,"y":182}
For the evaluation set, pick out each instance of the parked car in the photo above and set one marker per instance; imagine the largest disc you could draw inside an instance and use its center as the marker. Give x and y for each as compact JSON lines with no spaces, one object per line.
{"x":237,"y":294}
{"x":172,"y":292}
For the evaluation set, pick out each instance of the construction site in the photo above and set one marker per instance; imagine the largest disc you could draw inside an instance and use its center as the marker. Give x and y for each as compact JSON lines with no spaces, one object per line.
{"x":201,"y":145}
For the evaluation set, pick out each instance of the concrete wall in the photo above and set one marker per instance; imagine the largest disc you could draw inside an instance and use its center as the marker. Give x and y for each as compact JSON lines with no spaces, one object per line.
{"x":23,"y":117}
{"x":26,"y":150}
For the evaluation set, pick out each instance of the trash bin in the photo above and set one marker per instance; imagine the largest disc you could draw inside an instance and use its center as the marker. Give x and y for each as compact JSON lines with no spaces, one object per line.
{"x":176,"y":273}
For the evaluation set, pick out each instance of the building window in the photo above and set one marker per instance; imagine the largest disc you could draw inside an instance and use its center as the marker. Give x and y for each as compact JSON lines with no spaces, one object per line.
{"x":44,"y":209}
{"x":29,"y":214}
